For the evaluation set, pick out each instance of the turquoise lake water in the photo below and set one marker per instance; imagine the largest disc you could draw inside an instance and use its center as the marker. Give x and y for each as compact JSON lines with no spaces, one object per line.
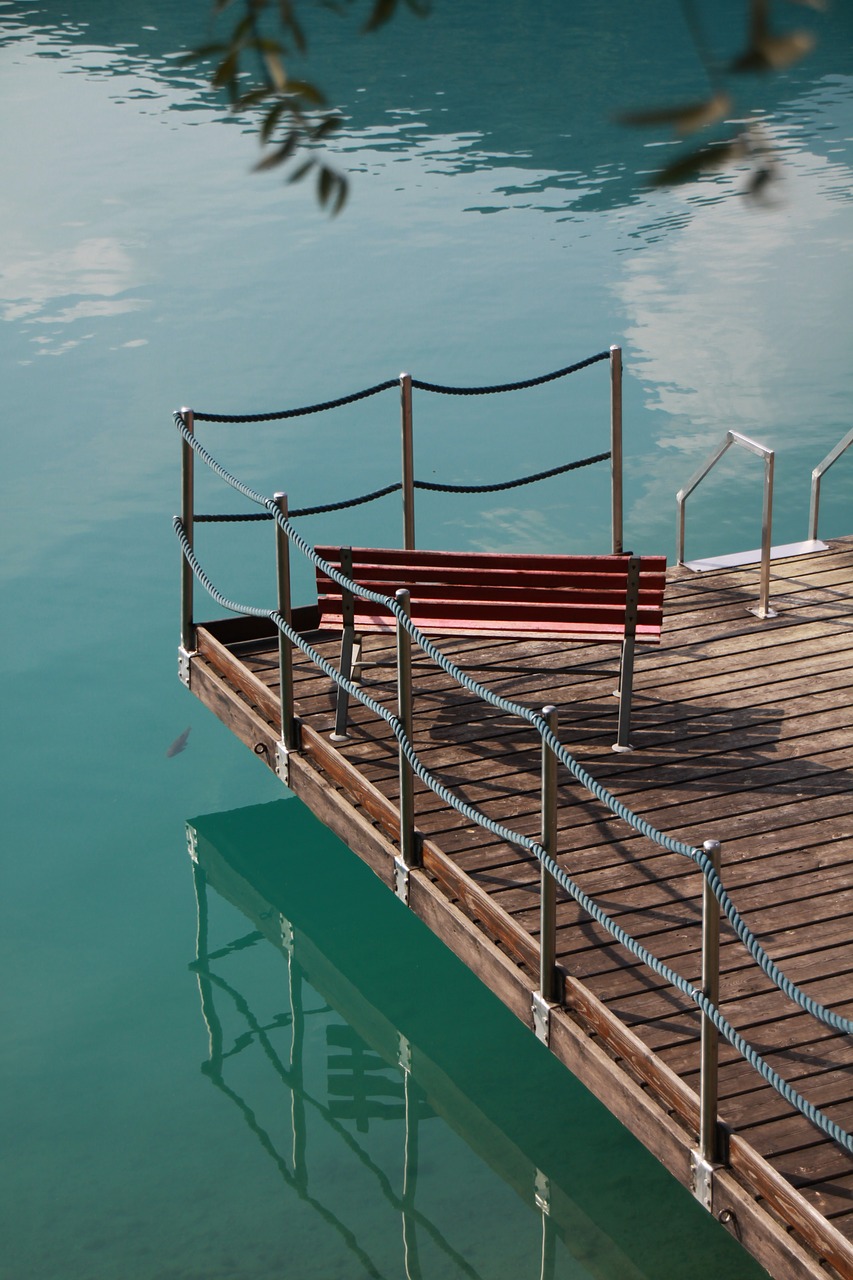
{"x":200,"y":1072}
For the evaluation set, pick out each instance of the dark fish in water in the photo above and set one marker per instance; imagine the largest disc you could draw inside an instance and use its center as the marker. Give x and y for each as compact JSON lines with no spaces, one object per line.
{"x":179,"y":743}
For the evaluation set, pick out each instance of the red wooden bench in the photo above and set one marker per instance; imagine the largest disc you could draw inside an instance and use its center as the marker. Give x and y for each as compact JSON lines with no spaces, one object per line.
{"x":591,"y":599}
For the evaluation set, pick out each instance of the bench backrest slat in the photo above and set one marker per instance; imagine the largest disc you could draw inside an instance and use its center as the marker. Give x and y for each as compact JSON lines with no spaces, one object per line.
{"x":581,"y":597}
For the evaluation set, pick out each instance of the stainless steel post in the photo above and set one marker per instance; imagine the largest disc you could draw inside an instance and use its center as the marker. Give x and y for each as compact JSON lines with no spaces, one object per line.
{"x":616,"y":448}
{"x":764,"y":610}
{"x":187,"y":517}
{"x":834,"y":454}
{"x":408,"y":462}
{"x":285,"y":648}
{"x":708,"y":1129}
{"x":548,"y":886}
{"x":408,"y":851}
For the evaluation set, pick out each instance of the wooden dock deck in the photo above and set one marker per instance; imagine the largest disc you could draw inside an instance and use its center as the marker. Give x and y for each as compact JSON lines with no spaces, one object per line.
{"x":744,"y":733}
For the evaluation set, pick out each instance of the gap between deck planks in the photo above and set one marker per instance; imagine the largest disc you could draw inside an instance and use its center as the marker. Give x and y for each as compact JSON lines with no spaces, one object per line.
{"x":745,"y":727}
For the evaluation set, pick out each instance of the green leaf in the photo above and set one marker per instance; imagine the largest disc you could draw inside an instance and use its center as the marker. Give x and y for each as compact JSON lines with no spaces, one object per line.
{"x":340,"y":196}
{"x":290,"y":23}
{"x":279,"y":155}
{"x":265,"y":44}
{"x":325,"y":183}
{"x":383,"y":11}
{"x":226,"y":72}
{"x":272,"y":118}
{"x":712,"y":156}
{"x":204,"y":51}
{"x":326,"y":127}
{"x":299,"y":174}
{"x":303,"y":89}
{"x":773,"y":53}
{"x":253,"y":98}
{"x":242,"y":29}
{"x":275,"y":71}
{"x":686,"y":118}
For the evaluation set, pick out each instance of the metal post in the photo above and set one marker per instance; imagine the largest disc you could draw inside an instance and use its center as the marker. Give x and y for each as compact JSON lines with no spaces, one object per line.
{"x":834,"y":454}
{"x":408,"y":462}
{"x":625,"y":692}
{"x":408,"y":851}
{"x":548,"y":890}
{"x":708,"y":1130}
{"x":764,"y":610}
{"x":814,"y":504}
{"x":187,"y":517}
{"x":285,"y":648}
{"x":616,"y":448}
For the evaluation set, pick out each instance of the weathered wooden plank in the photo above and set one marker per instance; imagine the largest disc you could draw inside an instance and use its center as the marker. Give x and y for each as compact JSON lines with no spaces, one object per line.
{"x":238,"y":674}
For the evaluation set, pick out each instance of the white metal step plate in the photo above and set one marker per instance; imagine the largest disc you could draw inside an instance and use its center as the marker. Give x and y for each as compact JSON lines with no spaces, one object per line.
{"x":754,"y":557}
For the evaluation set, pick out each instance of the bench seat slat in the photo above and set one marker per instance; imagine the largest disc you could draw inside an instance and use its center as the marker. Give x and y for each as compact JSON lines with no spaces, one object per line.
{"x":516,"y":614}
{"x":590,"y":632}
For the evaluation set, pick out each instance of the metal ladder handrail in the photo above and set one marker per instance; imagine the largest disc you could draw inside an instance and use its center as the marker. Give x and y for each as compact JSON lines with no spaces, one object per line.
{"x":762,"y":609}
{"x":817,"y":475}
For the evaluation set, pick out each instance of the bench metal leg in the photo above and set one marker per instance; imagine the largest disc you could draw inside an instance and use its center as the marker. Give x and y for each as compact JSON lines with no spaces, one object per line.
{"x":357,"y":651}
{"x":626,"y":667}
{"x":350,"y":645}
{"x":626,"y":688}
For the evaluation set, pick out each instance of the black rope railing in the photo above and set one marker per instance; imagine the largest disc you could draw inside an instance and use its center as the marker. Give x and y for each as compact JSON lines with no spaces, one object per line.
{"x":436,"y":387}
{"x":512,"y":484}
{"x":418,"y":484}
{"x":278,"y":416}
{"x":510,"y":386}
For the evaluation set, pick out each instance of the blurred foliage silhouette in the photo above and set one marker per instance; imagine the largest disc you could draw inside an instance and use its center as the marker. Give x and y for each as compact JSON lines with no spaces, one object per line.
{"x":251,"y":65}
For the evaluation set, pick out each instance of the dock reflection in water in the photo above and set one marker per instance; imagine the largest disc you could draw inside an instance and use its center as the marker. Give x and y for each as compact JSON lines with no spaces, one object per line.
{"x":360,"y":1067}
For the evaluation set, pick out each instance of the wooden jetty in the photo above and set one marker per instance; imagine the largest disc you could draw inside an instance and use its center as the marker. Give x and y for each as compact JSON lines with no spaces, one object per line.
{"x":744,"y":734}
